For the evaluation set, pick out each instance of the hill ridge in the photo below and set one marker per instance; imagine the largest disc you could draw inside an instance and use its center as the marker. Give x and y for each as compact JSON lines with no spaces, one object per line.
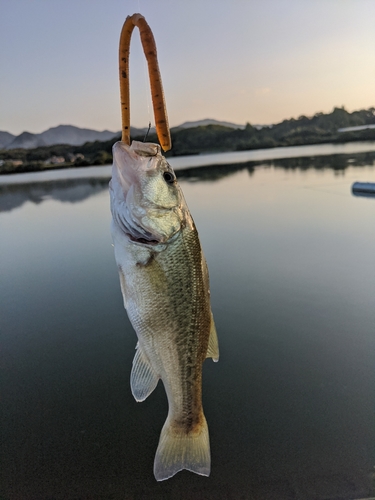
{"x":77,"y":136}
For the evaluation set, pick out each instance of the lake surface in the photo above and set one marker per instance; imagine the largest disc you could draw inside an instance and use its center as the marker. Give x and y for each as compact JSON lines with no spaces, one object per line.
{"x":290,"y":405}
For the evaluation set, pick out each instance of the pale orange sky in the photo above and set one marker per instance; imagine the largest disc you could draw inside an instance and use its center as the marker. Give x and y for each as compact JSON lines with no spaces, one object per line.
{"x":256,"y":61}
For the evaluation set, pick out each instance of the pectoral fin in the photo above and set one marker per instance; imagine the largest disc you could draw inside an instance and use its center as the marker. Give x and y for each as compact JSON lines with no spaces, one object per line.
{"x":123,"y":285}
{"x":143,"y":378}
{"x":213,"y":344}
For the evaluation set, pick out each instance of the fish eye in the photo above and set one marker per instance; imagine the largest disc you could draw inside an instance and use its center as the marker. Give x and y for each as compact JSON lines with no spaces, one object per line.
{"x":169,"y":177}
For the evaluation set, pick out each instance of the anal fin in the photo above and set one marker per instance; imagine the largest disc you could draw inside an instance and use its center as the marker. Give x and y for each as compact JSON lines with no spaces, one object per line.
{"x":213,"y":344}
{"x":143,"y":378}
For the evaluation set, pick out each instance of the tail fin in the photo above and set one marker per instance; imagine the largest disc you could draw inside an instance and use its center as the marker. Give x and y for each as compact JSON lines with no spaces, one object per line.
{"x":178,"y":450}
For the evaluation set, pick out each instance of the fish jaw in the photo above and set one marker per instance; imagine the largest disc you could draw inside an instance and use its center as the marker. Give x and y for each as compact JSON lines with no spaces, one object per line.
{"x":146,"y":207}
{"x":128,"y":163}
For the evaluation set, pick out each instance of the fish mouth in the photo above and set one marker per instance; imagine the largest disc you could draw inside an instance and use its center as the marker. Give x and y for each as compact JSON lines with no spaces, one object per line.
{"x":131,"y":161}
{"x":128,"y":163}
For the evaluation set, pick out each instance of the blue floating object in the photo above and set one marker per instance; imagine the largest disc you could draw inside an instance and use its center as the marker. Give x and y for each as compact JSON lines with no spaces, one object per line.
{"x":364,"y":189}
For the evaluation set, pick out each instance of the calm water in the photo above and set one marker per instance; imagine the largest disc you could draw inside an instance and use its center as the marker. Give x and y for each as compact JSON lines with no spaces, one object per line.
{"x":290,"y":404}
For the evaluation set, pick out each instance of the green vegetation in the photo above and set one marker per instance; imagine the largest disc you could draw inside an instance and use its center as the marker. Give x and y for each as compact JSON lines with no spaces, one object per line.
{"x":321,"y":128}
{"x":45,"y":158}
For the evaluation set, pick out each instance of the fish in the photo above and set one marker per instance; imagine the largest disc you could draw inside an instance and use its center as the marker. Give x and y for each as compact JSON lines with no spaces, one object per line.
{"x":165,"y":287}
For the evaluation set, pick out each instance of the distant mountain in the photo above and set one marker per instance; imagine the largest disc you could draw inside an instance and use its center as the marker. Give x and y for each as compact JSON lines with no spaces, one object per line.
{"x":63,"y":134}
{"x":5,"y":138}
{"x":76,"y":136}
{"x":185,"y":125}
{"x":136,"y":132}
{"x":26,"y":140}
{"x":209,"y":121}
{"x":191,"y":138}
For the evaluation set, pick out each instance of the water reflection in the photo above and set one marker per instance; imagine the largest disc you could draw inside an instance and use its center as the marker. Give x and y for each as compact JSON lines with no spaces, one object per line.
{"x":335,"y":162}
{"x":75,"y":190}
{"x":289,"y":405}
{"x":214,"y":172}
{"x":67,"y":191}
{"x":332,"y":162}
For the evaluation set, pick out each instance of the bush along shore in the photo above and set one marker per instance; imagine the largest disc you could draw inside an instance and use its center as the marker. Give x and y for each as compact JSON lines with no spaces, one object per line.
{"x":318,"y":129}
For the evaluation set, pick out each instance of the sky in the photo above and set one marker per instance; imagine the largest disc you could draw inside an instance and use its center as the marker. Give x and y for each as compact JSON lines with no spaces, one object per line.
{"x":256,"y":61}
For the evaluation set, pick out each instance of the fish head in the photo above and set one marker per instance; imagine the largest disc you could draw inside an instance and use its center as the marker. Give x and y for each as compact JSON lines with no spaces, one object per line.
{"x":146,"y":201}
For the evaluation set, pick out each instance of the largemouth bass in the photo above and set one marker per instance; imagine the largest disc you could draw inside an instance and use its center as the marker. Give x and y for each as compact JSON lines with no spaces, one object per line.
{"x":165,"y":287}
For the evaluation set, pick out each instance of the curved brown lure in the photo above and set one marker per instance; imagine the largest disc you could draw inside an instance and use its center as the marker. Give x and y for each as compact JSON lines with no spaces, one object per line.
{"x":158,"y":101}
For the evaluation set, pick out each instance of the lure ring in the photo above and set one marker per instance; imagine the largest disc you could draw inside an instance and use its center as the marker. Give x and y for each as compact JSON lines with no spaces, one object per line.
{"x":157,"y":93}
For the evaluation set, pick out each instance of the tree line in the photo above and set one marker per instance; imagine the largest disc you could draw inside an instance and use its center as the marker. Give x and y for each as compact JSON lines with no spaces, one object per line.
{"x":318,"y":129}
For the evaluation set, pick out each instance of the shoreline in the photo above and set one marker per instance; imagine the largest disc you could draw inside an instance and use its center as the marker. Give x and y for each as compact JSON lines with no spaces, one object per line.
{"x":197,"y":161}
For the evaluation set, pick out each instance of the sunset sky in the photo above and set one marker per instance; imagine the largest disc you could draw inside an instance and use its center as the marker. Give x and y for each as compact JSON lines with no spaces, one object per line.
{"x":256,"y":61}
